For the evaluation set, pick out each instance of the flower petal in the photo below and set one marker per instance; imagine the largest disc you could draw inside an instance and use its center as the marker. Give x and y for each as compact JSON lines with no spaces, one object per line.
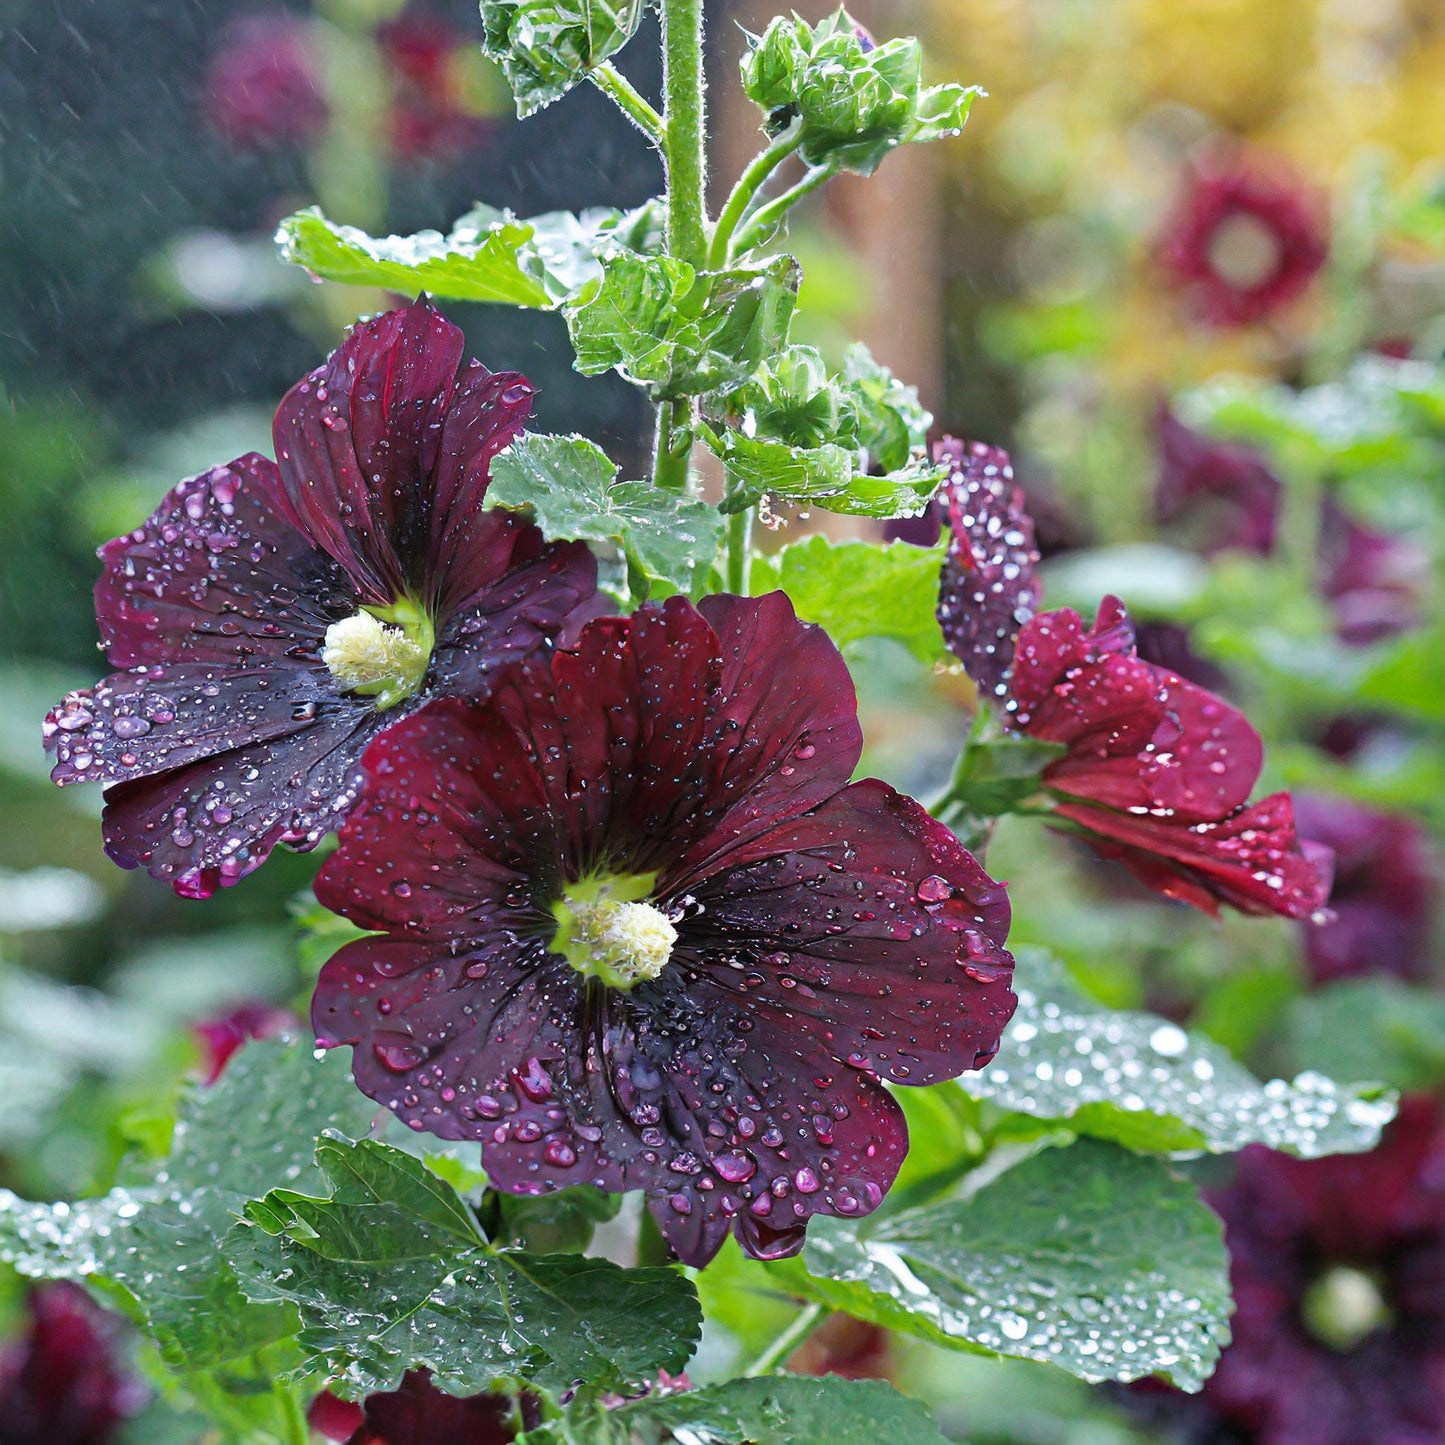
{"x":356,"y":439}
{"x":867,"y":926}
{"x":218,"y":575}
{"x":212,"y":822}
{"x":988,"y":587}
{"x":1252,"y":860}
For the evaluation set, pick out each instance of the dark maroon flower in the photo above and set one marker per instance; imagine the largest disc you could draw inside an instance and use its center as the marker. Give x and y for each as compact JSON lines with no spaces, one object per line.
{"x":270,"y":620}
{"x":920,"y":531}
{"x":1158,"y":772}
{"x":987,"y":589}
{"x":1225,"y":491}
{"x":1167,"y":645}
{"x":848,"y":1348}
{"x":62,"y":1383}
{"x":417,"y":1413}
{"x":1338,"y":1269}
{"x":640,"y":932}
{"x":1373,"y":580}
{"x":220,"y":1037}
{"x":1243,"y":243}
{"x":262,"y":87}
{"x":1384,"y":894}
{"x":428,"y":118}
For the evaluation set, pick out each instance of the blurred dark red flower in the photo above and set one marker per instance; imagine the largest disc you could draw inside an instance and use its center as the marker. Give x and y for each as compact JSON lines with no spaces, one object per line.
{"x":221,"y":1036}
{"x":1225,"y":491}
{"x":271,"y":619}
{"x":263,"y":90}
{"x":62,"y":1382}
{"x":1167,"y":645}
{"x":1338,"y":1270}
{"x":1372,"y":579}
{"x":428,"y":119}
{"x":1384,"y":894}
{"x":640,"y":932}
{"x":987,"y":590}
{"x":848,"y":1348}
{"x":1158,"y":772}
{"x":417,"y":1413}
{"x":1243,"y":242}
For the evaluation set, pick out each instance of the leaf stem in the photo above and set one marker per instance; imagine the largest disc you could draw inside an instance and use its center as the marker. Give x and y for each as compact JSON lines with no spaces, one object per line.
{"x":673,"y":448}
{"x":740,"y":551}
{"x":749,"y":184}
{"x":765,"y":218}
{"x":298,"y":1432}
{"x":797,"y":1330}
{"x":630,"y":101}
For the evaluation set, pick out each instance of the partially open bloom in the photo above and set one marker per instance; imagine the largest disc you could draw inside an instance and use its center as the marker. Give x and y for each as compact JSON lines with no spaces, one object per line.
{"x":269,"y":620}
{"x":263,"y":88}
{"x":1222,"y":490}
{"x":1338,"y":1272}
{"x":1157,"y":773}
{"x":417,"y":1413}
{"x":1243,"y":243}
{"x":1384,"y":894}
{"x":640,"y":932}
{"x":62,"y":1383}
{"x":988,"y":588}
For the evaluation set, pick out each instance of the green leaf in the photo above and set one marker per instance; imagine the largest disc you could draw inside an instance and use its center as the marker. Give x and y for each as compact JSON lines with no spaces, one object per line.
{"x":997,"y":770}
{"x":157,"y":1238}
{"x":791,"y":398}
{"x":489,"y":255}
{"x":558,"y":1223}
{"x":789,"y":1410}
{"x":1145,"y":1082}
{"x":545,"y":47}
{"x":677,"y":331}
{"x":1088,"y":1257}
{"x":825,"y":476}
{"x":570,"y":487}
{"x":389,"y":1275}
{"x":859,"y":589}
{"x":1379,"y":1028}
{"x":852,"y":102}
{"x":892,"y":423}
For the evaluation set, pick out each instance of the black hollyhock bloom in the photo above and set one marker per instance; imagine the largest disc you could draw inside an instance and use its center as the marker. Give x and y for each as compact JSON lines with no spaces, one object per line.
{"x":272,"y":618}
{"x":639,"y":931}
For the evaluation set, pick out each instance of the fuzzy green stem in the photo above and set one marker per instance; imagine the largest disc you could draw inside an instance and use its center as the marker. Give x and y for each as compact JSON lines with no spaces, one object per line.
{"x":685,"y":147}
{"x":765,"y":218}
{"x":798,"y":1329}
{"x":740,"y":551}
{"x":298,"y":1432}
{"x":749,"y":184}
{"x":673,"y":449}
{"x":630,"y":101}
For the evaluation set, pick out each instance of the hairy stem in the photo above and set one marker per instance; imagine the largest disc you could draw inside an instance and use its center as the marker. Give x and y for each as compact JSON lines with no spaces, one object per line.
{"x":630,"y":101}
{"x":684,"y":154}
{"x":686,"y":120}
{"x":798,"y":1329}
{"x":765,"y":218}
{"x":740,"y":551}
{"x":749,"y":184}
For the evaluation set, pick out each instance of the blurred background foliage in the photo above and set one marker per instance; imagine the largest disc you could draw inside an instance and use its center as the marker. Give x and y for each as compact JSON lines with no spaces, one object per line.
{"x":1187,"y":262}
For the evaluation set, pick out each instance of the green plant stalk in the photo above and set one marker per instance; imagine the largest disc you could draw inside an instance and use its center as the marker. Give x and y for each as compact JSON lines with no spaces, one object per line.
{"x":298,"y":1432}
{"x":685,"y":158}
{"x":630,"y":101}
{"x":749,"y":184}
{"x":766,"y":217}
{"x":740,"y":552}
{"x":797,"y":1330}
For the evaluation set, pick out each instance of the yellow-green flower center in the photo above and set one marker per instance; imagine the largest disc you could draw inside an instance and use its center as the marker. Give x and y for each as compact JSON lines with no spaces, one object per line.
{"x":381,"y":652}
{"x":1343,"y":1306}
{"x":607,"y":931}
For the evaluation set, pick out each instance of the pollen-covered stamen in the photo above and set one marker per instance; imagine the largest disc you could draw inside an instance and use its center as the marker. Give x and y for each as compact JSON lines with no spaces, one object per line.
{"x":605,"y":930}
{"x":381,"y":652}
